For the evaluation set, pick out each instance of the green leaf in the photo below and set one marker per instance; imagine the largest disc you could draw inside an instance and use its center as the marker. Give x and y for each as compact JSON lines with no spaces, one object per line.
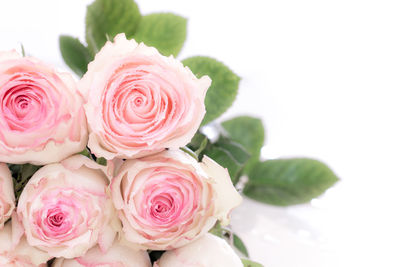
{"x":28,"y":170}
{"x":198,"y":144}
{"x":217,"y":230}
{"x":286,"y":182}
{"x":190,"y":152}
{"x":225,"y":159}
{"x":249,"y":132}
{"x":238,"y":152}
{"x":196,"y":141}
{"x":21,"y":174}
{"x":75,"y":54}
{"x":239,"y":244}
{"x":86,"y":153}
{"x":230,"y":155}
{"x":249,"y":263}
{"x":15,"y":169}
{"x":108,"y":18}
{"x":224,"y":87}
{"x":101,"y":161}
{"x":164,"y":31}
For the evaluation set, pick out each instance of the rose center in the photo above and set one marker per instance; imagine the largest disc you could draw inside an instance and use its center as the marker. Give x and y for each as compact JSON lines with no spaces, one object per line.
{"x":22,"y":106}
{"x":162,"y":206}
{"x":55,"y":218}
{"x":23,"y":103}
{"x":138,"y":101}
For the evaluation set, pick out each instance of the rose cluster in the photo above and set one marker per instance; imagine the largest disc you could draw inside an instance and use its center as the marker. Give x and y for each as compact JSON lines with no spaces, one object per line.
{"x":135,"y":108}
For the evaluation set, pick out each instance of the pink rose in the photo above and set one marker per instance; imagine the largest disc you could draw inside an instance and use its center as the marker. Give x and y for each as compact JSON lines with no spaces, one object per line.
{"x":169,"y":199}
{"x":21,"y":254}
{"x":117,"y":256}
{"x":65,"y":208}
{"x":140,"y":102}
{"x":7,"y":198}
{"x":207,"y":251}
{"x":41,"y":114}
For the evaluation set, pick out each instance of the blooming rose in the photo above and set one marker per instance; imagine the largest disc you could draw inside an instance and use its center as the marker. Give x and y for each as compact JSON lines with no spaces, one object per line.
{"x":21,"y":254}
{"x":65,"y":208}
{"x":140,"y":102}
{"x":169,"y":199}
{"x":207,"y":251}
{"x":117,"y":256}
{"x":42,"y":119}
{"x":7,"y":198}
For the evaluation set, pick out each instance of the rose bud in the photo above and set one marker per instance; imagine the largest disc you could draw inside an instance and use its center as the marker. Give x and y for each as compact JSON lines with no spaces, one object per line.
{"x":7,"y":198}
{"x":65,"y":208}
{"x":169,"y":199}
{"x":207,"y":251}
{"x":139,"y":102}
{"x":118,"y":256}
{"x":42,"y":119}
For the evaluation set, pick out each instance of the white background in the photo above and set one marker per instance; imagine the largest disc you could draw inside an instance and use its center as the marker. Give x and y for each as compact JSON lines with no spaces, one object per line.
{"x":323,"y":75}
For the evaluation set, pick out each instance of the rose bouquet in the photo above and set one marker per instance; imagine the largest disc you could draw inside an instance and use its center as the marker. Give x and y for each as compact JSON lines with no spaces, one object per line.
{"x":127,"y":166}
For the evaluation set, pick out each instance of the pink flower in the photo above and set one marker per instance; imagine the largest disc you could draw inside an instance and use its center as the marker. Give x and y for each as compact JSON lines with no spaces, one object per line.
{"x":21,"y":254}
{"x":117,"y":256}
{"x":169,"y":199}
{"x":140,"y":102}
{"x":207,"y":251}
{"x":7,"y":198}
{"x":41,"y":114}
{"x":65,"y":208}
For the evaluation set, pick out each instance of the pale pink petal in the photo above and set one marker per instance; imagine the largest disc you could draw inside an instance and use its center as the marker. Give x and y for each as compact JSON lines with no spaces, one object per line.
{"x":207,"y":251}
{"x":227,"y":198}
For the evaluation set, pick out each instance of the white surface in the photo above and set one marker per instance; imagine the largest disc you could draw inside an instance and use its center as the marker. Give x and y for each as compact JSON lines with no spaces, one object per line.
{"x":323,"y":75}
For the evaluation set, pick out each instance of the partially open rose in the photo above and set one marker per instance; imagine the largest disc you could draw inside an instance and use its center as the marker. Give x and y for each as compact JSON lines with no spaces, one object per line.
{"x":140,"y":102}
{"x":169,"y":199}
{"x":21,"y":254}
{"x":41,"y":114}
{"x":7,"y":198}
{"x":65,"y":208}
{"x":207,"y":251}
{"x":117,"y":256}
